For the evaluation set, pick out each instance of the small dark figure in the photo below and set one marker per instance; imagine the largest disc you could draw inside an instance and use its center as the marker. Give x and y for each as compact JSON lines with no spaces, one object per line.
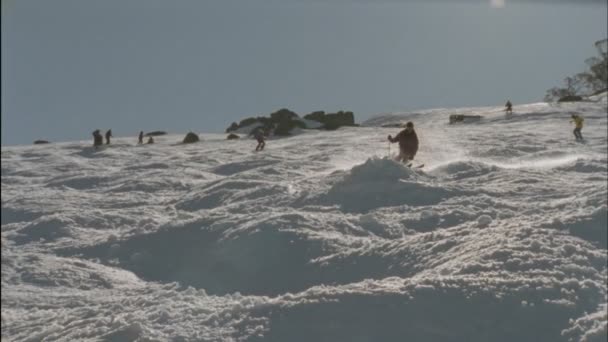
{"x":97,"y":138}
{"x":509,"y":109}
{"x":141,"y":137}
{"x":578,"y":122}
{"x":408,"y":143}
{"x":108,"y":136}
{"x":150,"y":140}
{"x":259,"y":136}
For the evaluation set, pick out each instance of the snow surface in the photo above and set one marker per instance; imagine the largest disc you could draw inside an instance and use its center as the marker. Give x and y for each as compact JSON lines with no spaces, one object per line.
{"x":500,"y":237}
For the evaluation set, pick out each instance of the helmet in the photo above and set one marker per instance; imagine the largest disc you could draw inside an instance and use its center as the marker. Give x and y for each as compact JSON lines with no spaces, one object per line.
{"x":409,"y":124}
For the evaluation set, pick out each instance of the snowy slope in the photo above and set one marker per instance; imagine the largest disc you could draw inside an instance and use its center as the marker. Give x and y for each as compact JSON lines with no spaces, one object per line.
{"x":501,"y":237}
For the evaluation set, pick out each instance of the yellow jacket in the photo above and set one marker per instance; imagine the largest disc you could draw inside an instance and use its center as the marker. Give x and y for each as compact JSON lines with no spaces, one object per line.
{"x":578,"y":121}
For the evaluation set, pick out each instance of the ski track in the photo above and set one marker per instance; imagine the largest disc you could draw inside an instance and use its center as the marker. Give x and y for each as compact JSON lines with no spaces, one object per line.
{"x":320,"y":237}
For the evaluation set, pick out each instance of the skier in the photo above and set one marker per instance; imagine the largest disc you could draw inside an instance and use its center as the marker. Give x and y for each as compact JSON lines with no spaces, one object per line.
{"x":578,"y":122}
{"x":97,"y":138}
{"x":509,"y":109}
{"x":108,"y":136}
{"x":257,"y":133}
{"x":408,"y":143}
{"x":141,"y":137}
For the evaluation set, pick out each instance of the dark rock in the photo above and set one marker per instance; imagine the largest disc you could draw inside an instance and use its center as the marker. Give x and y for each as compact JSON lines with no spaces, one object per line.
{"x":191,"y":138}
{"x":233,"y":127}
{"x":283,"y":121}
{"x":454,"y":118}
{"x":37,"y":142}
{"x":155,"y":133}
{"x":284,"y":127}
{"x":316,"y":116}
{"x":332,"y":121}
{"x":247,"y":122}
{"x":232,"y":136}
{"x":283,"y":115}
{"x":339,"y":119}
{"x":570,"y":98}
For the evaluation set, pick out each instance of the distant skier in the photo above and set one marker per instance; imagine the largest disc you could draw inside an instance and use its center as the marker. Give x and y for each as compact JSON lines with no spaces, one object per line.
{"x":259,"y":136}
{"x":108,"y":136}
{"x":408,"y":143}
{"x":509,"y":107}
{"x":141,"y":137}
{"x":97,"y":138}
{"x":578,"y":123}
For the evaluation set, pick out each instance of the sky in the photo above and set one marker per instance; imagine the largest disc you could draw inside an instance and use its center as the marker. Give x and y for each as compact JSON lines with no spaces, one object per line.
{"x":72,"y":66}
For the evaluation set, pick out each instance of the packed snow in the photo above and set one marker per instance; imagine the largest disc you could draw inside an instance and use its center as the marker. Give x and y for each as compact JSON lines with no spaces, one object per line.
{"x":501,"y":236}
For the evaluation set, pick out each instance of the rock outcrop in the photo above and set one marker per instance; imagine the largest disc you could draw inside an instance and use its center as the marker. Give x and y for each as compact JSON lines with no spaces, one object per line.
{"x":155,"y":133}
{"x":570,"y":98}
{"x":191,"y":138}
{"x":284,"y":121}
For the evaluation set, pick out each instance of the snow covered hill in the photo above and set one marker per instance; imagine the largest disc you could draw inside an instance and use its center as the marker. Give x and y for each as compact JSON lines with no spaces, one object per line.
{"x":320,"y":237}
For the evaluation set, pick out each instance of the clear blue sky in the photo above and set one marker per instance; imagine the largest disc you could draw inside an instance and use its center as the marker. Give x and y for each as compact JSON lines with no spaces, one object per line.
{"x":72,"y":66}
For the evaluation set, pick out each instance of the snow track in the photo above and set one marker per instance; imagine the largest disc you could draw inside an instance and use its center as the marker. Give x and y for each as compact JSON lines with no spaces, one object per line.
{"x":320,"y":237}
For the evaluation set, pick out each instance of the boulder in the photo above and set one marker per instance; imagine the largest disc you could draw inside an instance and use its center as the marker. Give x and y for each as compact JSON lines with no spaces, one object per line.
{"x":332,"y":121}
{"x":155,"y":133}
{"x":570,"y":98}
{"x":284,"y":127}
{"x":283,"y":121}
{"x":339,"y":119}
{"x":283,"y":114}
{"x":233,"y":127}
{"x":247,"y":122}
{"x":454,"y":118}
{"x":316,"y":116}
{"x":232,"y":136}
{"x":191,"y":138}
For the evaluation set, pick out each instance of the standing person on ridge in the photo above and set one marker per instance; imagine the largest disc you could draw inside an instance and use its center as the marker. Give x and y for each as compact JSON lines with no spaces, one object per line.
{"x":408,"y":143}
{"x":141,"y":137}
{"x":578,"y":122}
{"x":509,"y":109}
{"x":97,"y":138}
{"x":108,"y":136}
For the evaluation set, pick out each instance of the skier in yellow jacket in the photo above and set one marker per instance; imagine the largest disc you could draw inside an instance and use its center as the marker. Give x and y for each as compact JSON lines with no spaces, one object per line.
{"x":578,"y":122}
